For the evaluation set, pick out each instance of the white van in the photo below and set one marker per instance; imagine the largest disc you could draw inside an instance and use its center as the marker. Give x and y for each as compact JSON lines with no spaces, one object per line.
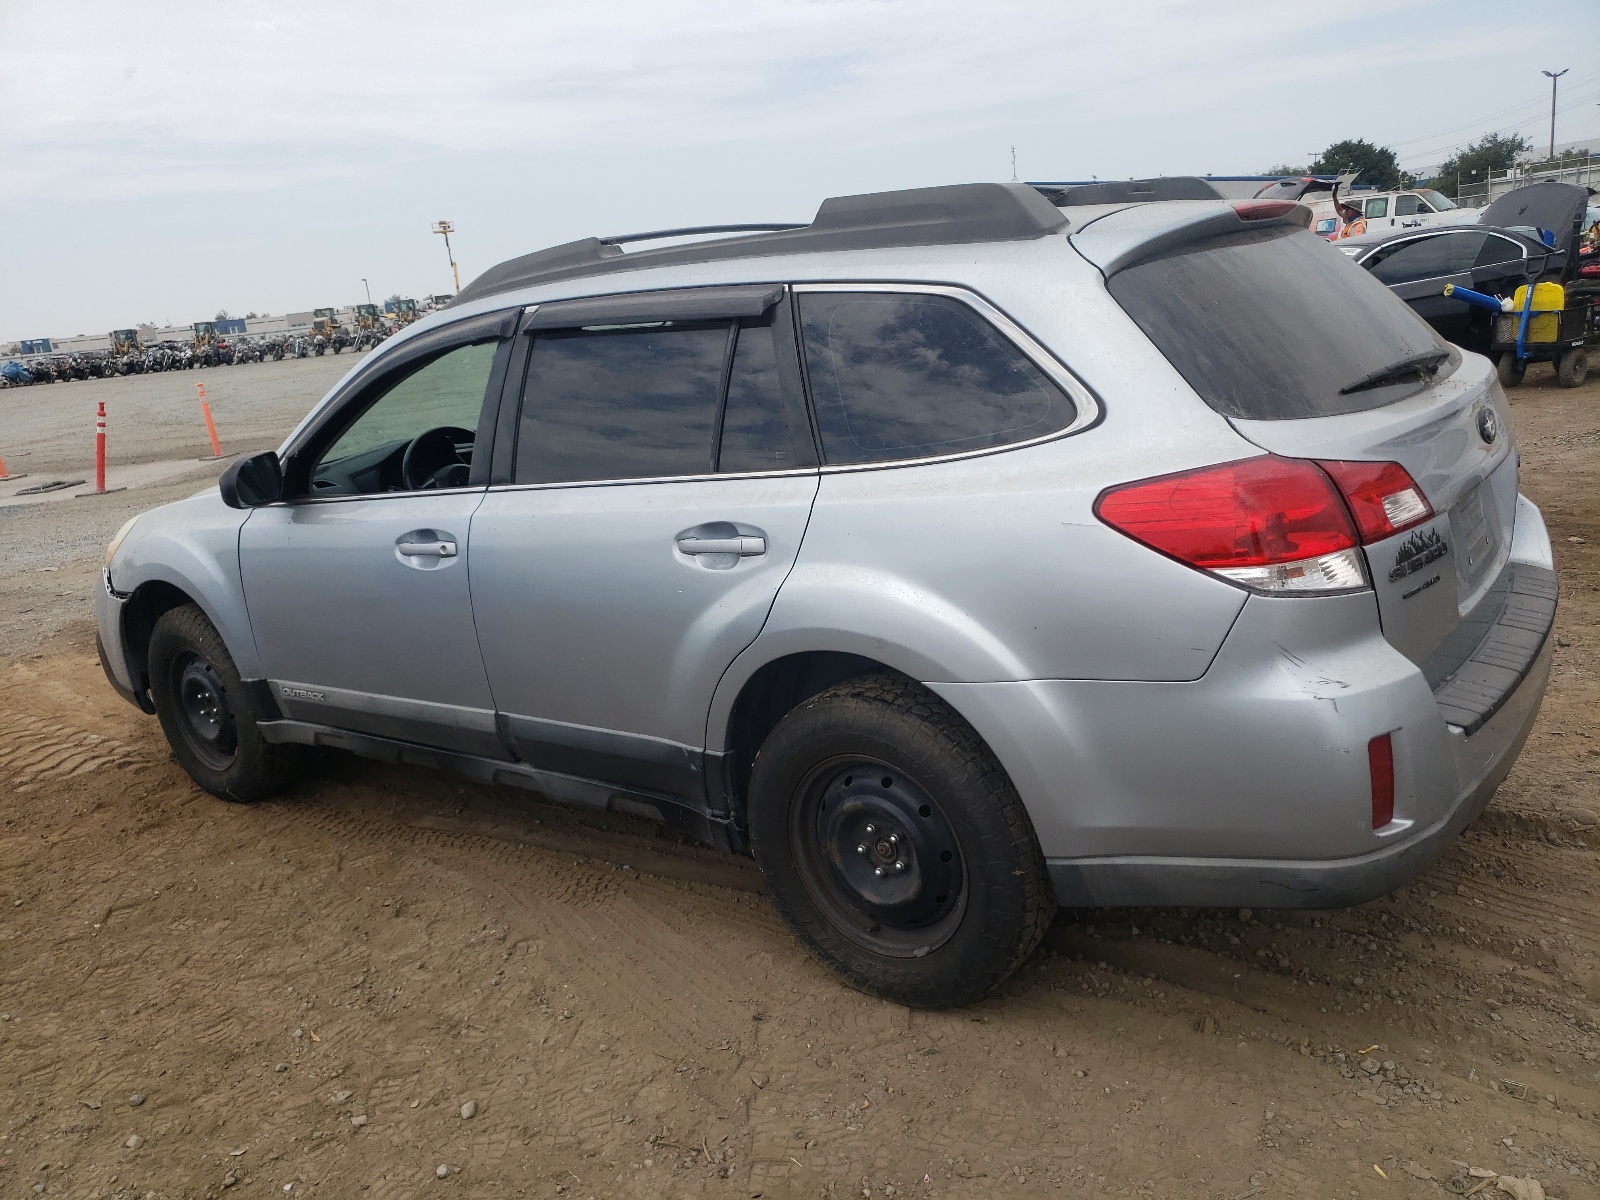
{"x":1414,"y":208}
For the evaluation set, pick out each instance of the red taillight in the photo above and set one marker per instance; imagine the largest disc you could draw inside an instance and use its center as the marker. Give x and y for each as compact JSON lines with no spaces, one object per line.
{"x":1380,"y":761}
{"x":1254,"y":513}
{"x":1383,"y":497}
{"x":1261,"y":210}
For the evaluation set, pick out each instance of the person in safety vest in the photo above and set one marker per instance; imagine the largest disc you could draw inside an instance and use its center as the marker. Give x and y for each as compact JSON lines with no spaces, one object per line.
{"x":1354,"y":223}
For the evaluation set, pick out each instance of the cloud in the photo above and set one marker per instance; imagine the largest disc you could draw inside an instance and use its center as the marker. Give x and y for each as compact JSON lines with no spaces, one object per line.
{"x":120,"y":99}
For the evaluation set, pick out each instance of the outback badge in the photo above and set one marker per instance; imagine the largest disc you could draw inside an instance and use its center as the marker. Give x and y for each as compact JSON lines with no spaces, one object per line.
{"x":1488,"y":425}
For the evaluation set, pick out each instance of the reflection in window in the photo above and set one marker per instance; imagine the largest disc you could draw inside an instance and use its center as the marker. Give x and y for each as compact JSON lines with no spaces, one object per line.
{"x":908,"y":376}
{"x":621,"y":403}
{"x":759,"y":429}
{"x":447,"y":392}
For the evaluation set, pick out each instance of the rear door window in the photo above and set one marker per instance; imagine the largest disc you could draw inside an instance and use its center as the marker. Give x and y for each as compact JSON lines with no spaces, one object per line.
{"x":764,"y":424}
{"x":1378,"y":207}
{"x":1272,"y":324}
{"x":913,"y":375}
{"x":1425,"y":258}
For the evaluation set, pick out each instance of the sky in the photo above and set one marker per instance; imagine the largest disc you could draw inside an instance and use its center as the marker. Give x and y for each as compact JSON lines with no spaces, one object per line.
{"x":162,"y":162}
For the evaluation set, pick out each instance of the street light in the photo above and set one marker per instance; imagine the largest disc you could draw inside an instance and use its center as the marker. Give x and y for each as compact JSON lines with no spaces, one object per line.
{"x":1553,"y":76}
{"x":447,"y":229}
{"x":368,"y":286}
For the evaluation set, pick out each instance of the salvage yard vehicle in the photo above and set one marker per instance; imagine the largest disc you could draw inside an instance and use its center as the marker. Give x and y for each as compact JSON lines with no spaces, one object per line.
{"x":1529,"y":236}
{"x":956,"y":554}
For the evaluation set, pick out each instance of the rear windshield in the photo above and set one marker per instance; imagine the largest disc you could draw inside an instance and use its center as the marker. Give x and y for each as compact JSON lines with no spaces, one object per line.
{"x":1272,"y":324}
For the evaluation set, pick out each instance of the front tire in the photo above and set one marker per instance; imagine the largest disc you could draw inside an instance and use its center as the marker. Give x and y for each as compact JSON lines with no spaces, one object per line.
{"x":894,"y":845}
{"x":205,"y":713}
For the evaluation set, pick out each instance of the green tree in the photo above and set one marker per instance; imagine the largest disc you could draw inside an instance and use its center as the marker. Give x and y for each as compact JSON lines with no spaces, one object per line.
{"x":1282,"y":169}
{"x":222,"y":315}
{"x":1492,"y":152}
{"x":1375,"y":165}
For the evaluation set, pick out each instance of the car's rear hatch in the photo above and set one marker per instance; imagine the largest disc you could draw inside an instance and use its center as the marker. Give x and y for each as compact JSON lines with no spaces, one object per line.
{"x":1295,"y":345}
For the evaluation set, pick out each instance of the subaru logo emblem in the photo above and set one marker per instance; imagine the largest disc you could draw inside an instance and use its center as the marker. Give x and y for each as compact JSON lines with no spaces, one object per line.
{"x":1488,"y":425}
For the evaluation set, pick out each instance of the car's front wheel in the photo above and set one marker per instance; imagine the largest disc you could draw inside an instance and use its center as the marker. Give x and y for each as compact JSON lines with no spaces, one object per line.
{"x":205,"y":713}
{"x":895,"y":846}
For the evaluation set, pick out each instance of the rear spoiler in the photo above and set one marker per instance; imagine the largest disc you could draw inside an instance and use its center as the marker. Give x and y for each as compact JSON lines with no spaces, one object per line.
{"x":1129,"y":235}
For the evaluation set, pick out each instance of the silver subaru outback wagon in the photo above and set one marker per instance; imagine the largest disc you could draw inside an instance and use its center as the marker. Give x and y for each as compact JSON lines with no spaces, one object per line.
{"x":958,"y":555}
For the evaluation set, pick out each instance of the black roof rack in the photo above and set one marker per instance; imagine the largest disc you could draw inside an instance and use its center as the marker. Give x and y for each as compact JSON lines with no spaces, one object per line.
{"x":934,"y":216}
{"x":1128,"y":191}
{"x":658,"y":234}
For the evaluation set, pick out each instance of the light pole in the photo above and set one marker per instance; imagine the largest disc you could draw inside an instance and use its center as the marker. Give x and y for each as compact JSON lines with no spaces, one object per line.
{"x":368,"y":286}
{"x":1553,"y":76}
{"x":447,"y":229}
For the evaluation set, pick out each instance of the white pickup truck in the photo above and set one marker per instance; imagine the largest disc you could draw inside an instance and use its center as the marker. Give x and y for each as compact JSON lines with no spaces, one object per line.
{"x":1413,"y":208}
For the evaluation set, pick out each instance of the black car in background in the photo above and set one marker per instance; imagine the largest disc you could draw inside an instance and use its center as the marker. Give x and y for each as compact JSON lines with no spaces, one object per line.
{"x":1503,"y":251}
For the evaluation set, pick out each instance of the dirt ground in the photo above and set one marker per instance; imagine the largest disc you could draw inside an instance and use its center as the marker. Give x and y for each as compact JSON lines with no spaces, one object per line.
{"x":299,"y":998}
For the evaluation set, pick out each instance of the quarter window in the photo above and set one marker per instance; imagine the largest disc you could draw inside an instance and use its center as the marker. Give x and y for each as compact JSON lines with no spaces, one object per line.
{"x":897,"y":376}
{"x":621,"y":403}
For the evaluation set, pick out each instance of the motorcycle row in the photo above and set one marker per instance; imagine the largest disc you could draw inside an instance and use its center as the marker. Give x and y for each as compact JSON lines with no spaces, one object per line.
{"x":180,"y":356}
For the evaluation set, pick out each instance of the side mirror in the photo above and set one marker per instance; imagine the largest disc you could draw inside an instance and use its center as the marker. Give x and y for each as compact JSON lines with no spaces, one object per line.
{"x":252,"y":482}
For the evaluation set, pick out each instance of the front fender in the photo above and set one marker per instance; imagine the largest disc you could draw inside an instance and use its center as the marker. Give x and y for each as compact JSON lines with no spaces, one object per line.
{"x":193,"y":545}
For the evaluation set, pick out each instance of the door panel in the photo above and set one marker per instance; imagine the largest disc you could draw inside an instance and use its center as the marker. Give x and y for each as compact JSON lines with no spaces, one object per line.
{"x":363,"y":619}
{"x":608,"y":613}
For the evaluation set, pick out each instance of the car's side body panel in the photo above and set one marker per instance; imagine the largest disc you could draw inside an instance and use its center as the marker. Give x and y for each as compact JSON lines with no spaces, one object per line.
{"x":193,"y":545}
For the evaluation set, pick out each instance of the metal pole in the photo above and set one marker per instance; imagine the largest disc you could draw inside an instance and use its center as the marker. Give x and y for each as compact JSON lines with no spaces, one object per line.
{"x":446,"y":228}
{"x":368,"y":286}
{"x":1553,"y":76}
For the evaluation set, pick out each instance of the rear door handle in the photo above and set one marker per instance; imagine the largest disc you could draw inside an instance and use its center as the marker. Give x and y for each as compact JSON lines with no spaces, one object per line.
{"x":744,"y":547}
{"x":427,"y":549}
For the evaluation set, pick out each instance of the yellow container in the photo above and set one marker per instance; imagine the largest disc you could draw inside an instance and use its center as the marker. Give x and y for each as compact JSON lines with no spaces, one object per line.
{"x":1548,"y":301}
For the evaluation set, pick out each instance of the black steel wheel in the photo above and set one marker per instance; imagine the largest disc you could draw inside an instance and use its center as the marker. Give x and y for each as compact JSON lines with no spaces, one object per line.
{"x":894,"y":845}
{"x":877,"y":857}
{"x":208,"y":725}
{"x":205,"y":711}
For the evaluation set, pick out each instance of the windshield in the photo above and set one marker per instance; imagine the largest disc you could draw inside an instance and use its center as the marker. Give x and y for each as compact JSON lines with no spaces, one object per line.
{"x":1274,"y":324}
{"x":1439,"y":200}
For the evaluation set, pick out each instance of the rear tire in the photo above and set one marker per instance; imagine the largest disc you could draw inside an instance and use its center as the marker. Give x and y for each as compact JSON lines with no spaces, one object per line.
{"x":894,"y":845}
{"x":205,"y":713}
{"x":1506,"y":369}
{"x":1573,"y":368}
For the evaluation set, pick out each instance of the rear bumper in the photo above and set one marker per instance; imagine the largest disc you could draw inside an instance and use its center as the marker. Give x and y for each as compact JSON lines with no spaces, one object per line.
{"x":1251,"y":786}
{"x":1313,"y":883}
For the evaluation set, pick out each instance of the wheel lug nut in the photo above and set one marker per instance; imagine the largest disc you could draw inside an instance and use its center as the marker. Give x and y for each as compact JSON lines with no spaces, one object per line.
{"x":899,"y":866}
{"x":862,"y":849}
{"x":871,"y":829}
{"x":894,"y":838}
{"x":877,"y":870}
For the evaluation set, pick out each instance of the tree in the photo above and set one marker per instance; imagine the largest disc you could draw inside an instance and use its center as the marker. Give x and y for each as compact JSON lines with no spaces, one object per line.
{"x":1491,"y":152}
{"x":1281,"y":169}
{"x":222,"y":315}
{"x":1375,"y":165}
{"x":394,"y":299}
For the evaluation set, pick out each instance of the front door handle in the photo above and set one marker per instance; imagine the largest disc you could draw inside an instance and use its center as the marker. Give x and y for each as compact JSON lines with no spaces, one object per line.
{"x":744,"y":547}
{"x":440,"y":549}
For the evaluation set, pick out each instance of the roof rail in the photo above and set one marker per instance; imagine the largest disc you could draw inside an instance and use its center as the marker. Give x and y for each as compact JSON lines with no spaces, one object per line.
{"x":1129,"y":191}
{"x":934,"y":216}
{"x":620,"y":238}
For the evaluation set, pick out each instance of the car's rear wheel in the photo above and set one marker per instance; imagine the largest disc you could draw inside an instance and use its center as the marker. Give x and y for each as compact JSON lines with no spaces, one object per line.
{"x":205,"y":713}
{"x":1573,"y":368}
{"x":895,"y":846}
{"x":1506,"y":368}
